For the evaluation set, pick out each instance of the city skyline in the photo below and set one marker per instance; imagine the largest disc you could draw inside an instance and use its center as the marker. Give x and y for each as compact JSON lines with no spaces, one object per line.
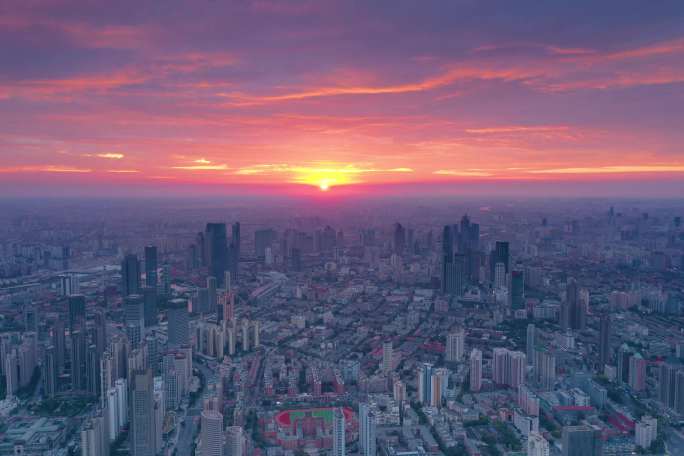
{"x":307,"y":98}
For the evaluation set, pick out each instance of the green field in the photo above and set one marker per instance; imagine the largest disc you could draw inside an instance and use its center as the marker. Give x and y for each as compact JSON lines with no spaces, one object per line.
{"x":326,"y":414}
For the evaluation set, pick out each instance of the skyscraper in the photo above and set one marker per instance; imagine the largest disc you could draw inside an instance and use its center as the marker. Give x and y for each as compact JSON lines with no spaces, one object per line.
{"x":78,"y":361}
{"x":366,"y":430}
{"x":455,"y":345}
{"x":637,"y":372}
{"x":94,"y":437}
{"x":59,"y":342}
{"x":424,"y":383}
{"x":234,"y":252}
{"x":454,"y":275}
{"x":212,"y":433}
{"x":150,"y":306}
{"x":387,"y":356}
{"x":212,"y":296}
{"x":398,"y":239}
{"x":151,"y":266}
{"x":508,"y":367}
{"x":530,"y":343}
{"x":545,"y":369}
{"x":517,"y":289}
{"x":475,"y":370}
{"x":216,"y":249}
{"x":604,"y":340}
{"x":143,"y":429}
{"x":500,"y":254}
{"x":49,"y":374}
{"x":581,"y":440}
{"x":130,"y":275}
{"x":77,"y":313}
{"x":178,"y":323}
{"x":573,"y":308}
{"x":134,"y":310}
{"x":339,"y":442}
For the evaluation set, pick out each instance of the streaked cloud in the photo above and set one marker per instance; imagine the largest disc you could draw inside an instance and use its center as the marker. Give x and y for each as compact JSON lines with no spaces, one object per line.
{"x":462,"y":173}
{"x":616,"y":169}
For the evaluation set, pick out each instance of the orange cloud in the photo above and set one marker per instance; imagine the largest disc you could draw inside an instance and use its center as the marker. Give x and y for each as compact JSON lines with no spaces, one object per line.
{"x":617,"y":169}
{"x":44,"y":169}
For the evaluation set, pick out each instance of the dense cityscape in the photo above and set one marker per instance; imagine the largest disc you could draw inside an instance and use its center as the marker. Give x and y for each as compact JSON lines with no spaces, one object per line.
{"x":391,"y":328}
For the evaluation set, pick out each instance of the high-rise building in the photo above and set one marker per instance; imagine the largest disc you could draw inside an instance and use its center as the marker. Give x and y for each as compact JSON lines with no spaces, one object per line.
{"x":77,"y":313}
{"x":475,"y":370}
{"x":623,"y":356}
{"x":134,"y":310}
{"x":646,"y":431}
{"x":367,"y":425}
{"x":235,"y":441}
{"x":667,"y":385}
{"x":637,"y":372}
{"x":425,"y":383}
{"x":500,"y":254}
{"x":508,"y":367}
{"x":234,"y":252}
{"x":143,"y":429}
{"x":339,"y":437}
{"x":94,"y":437}
{"x":438,"y":386}
{"x":59,"y":342}
{"x":212,"y":296}
{"x":151,"y":266}
{"x":216,"y":249}
{"x":573,"y":313}
{"x":262,"y":240}
{"x":545,"y":369}
{"x":537,"y":445}
{"x":178,"y":323}
{"x":93,"y":379}
{"x":78,"y":361}
{"x":149,"y":306}
{"x":530,"y":343}
{"x":212,"y":441}
{"x":581,"y":440}
{"x":387,"y":356}
{"x":454,"y":274}
{"x":455,"y":345}
{"x":517,"y":289}
{"x":604,"y":340}
{"x":398,"y":239}
{"x":49,"y":374}
{"x":130,"y":275}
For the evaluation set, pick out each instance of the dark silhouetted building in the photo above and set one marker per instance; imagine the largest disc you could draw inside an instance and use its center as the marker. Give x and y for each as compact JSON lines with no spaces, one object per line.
{"x":130,"y":275}
{"x":151,"y":266}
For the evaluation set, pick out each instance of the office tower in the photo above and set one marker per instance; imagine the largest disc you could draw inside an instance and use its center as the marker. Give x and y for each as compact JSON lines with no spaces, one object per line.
{"x":166,"y":280}
{"x":143,"y":429}
{"x":398,"y":239}
{"x":530,"y":343}
{"x":99,"y":331}
{"x":366,"y":430}
{"x":573,"y":308}
{"x":231,"y":340}
{"x":499,"y":275}
{"x":679,"y":392}
{"x":212,"y":433}
{"x":216,"y":249}
{"x":92,"y":374}
{"x":212,"y":297}
{"x":604,"y":340}
{"x":11,"y":370}
{"x":59,"y":342}
{"x":178,"y":322}
{"x":517,"y":290}
{"x":424,"y":383}
{"x":134,"y":332}
{"x":262,"y":240}
{"x":387,"y":361}
{"x":49,"y":373}
{"x":151,"y":266}
{"x":77,"y":313}
{"x":500,"y":254}
{"x":149,"y":298}
{"x":447,"y":255}
{"x":537,"y":445}
{"x":339,"y":442}
{"x":646,"y":431}
{"x":134,"y":310}
{"x":637,"y":372}
{"x":508,"y":367}
{"x":667,"y":381}
{"x":454,"y":275}
{"x":455,"y":345}
{"x":234,"y":252}
{"x":581,"y":440}
{"x":130,"y":275}
{"x":623,"y":356}
{"x":78,"y":360}
{"x":94,"y":437}
{"x":545,"y":369}
{"x":475,"y":370}
{"x":235,"y":441}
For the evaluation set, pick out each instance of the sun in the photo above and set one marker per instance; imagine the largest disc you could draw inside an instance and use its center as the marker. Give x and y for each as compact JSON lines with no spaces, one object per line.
{"x":324,"y":186}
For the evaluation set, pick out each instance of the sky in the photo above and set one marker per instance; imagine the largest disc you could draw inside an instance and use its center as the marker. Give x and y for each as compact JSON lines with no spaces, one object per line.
{"x":387,"y":96}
